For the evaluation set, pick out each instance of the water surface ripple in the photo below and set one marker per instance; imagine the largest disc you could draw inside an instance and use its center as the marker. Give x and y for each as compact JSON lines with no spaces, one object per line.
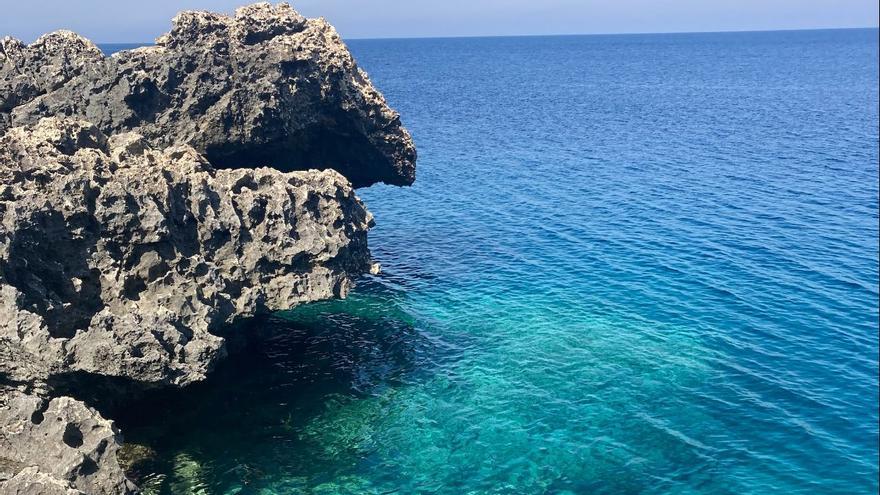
{"x":630,"y":264}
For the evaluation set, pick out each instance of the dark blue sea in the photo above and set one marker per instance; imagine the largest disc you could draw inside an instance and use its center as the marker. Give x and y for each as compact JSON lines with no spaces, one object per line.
{"x":641,"y":264}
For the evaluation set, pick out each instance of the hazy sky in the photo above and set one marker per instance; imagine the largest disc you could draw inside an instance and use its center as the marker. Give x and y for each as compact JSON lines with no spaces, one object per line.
{"x":143,"y":20}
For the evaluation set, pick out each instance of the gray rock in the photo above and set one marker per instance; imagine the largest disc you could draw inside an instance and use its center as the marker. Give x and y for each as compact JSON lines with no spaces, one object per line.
{"x":61,"y":447}
{"x":118,"y":260}
{"x":137,"y":226}
{"x":265,"y":87}
{"x":27,"y":72}
{"x":32,"y":481}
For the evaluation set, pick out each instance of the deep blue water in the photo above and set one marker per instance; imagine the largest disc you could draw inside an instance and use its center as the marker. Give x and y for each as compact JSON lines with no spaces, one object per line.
{"x":630,"y":264}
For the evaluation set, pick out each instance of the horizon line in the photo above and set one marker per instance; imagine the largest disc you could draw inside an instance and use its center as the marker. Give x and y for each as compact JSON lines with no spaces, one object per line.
{"x":633,"y":33}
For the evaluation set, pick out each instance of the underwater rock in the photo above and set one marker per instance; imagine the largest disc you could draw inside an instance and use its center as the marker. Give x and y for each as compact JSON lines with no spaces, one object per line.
{"x":265,"y":87}
{"x":118,"y":260}
{"x":58,"y":447}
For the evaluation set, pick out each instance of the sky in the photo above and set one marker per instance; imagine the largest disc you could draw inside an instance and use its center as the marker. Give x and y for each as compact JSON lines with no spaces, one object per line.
{"x":107,"y":21}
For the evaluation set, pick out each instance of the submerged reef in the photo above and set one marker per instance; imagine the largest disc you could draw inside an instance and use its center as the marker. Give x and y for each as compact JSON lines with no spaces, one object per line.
{"x":152,"y":200}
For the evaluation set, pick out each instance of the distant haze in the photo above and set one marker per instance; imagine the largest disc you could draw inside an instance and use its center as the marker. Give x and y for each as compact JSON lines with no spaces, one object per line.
{"x":125,"y":21}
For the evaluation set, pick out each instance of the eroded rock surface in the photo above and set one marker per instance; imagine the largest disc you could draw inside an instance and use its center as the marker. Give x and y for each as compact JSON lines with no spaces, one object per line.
{"x":58,"y":447}
{"x":26,"y":72}
{"x":265,"y":87}
{"x":119,"y":260}
{"x":138,"y":225}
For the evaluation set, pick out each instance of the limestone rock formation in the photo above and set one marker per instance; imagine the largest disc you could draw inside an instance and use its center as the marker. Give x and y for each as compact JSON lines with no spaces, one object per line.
{"x":58,"y":447}
{"x":120,"y":260}
{"x":139,"y":223}
{"x":265,"y":87}
{"x":27,"y":72}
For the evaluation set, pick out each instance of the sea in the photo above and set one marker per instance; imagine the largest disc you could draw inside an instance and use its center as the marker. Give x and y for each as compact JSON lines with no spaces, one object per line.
{"x":630,"y":264}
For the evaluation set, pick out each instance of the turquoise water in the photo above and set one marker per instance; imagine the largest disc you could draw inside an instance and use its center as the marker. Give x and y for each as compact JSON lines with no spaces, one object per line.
{"x":630,"y":264}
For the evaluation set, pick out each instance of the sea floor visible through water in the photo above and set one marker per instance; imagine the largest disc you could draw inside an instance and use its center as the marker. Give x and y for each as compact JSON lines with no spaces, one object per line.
{"x":629,"y":264}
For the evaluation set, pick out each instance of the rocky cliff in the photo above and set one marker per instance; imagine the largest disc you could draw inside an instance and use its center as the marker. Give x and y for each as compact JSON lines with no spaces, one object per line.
{"x":263,"y":87}
{"x":120,"y":260}
{"x":151,"y":200}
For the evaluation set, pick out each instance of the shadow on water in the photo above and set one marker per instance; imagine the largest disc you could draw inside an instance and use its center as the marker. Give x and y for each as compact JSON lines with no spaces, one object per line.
{"x":252,"y":416}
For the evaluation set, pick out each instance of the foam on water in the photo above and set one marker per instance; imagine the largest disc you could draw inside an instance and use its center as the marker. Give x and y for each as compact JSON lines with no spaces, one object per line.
{"x":630,"y":264}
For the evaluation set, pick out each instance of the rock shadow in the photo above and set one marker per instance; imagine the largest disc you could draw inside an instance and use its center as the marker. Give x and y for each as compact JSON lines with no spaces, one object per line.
{"x":283,"y":371}
{"x":48,"y":263}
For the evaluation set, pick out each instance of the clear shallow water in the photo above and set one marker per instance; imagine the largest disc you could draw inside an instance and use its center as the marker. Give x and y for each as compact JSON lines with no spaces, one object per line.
{"x":630,"y":264}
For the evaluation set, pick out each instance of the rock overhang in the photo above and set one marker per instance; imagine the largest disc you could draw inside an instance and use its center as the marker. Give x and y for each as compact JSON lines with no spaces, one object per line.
{"x":120,"y":260}
{"x":151,"y":197}
{"x":262,"y":87}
